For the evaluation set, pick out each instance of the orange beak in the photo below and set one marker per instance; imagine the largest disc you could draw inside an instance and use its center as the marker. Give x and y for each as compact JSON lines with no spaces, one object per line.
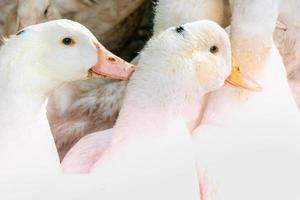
{"x":238,"y":79}
{"x":111,"y":66}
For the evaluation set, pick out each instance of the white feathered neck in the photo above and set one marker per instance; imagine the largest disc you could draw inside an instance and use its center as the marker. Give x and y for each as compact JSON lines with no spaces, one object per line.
{"x":157,"y":94}
{"x":22,"y":89}
{"x":26,"y":142}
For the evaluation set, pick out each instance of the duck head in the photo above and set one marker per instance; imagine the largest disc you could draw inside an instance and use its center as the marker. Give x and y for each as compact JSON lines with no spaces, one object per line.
{"x":63,"y":51}
{"x":200,"y":54}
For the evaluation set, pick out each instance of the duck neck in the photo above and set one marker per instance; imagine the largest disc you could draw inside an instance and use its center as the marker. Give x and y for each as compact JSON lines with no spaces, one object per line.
{"x":23,"y":91}
{"x":252,"y":34}
{"x":253,"y":56}
{"x":254,"y":49}
{"x":155,"y":100}
{"x":257,"y":56}
{"x":26,"y":143}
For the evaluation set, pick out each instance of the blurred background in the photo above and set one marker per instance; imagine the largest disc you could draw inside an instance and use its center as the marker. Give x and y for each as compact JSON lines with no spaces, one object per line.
{"x":122,"y":26}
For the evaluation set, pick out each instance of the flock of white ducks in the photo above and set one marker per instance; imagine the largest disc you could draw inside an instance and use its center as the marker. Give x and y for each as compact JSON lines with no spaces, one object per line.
{"x":84,"y":107}
{"x":181,"y":133}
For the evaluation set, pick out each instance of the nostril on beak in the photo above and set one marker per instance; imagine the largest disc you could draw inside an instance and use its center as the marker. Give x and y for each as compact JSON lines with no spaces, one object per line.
{"x":97,"y":45}
{"x":111,"y":59}
{"x":132,"y":68}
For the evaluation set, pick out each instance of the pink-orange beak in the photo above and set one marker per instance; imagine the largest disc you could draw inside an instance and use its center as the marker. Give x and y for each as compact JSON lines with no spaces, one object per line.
{"x":111,"y":66}
{"x":238,"y":79}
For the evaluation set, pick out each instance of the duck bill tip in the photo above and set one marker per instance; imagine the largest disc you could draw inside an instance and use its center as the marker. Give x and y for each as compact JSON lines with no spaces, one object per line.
{"x":241,"y":80}
{"x":254,"y":87}
{"x":111,"y":66}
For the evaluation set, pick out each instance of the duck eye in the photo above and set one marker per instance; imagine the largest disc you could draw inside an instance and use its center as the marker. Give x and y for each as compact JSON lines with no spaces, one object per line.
{"x":179,"y":29}
{"x":214,"y":49}
{"x":68,"y":41}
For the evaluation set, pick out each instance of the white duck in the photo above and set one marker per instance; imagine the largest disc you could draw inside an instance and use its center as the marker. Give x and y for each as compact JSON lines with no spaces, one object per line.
{"x":191,"y":60}
{"x":29,"y":12}
{"x":246,"y":139}
{"x":32,"y":64}
{"x":77,"y":108}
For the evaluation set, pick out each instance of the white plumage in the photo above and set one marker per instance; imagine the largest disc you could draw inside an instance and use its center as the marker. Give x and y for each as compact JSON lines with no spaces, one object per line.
{"x":177,"y":53}
{"x":248,"y":138}
{"x":28,"y":74}
{"x":33,"y":63}
{"x":244,"y":140}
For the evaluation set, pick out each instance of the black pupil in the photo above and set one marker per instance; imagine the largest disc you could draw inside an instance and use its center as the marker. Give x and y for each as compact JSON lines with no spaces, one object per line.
{"x":67,"y":41}
{"x":214,"y":49}
{"x":179,"y":29}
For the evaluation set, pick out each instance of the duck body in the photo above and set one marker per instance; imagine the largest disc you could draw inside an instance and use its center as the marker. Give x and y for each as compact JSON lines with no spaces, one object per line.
{"x":83,"y":107}
{"x":86,"y":152}
{"x":232,"y":164}
{"x":248,"y":138}
{"x":17,"y":148}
